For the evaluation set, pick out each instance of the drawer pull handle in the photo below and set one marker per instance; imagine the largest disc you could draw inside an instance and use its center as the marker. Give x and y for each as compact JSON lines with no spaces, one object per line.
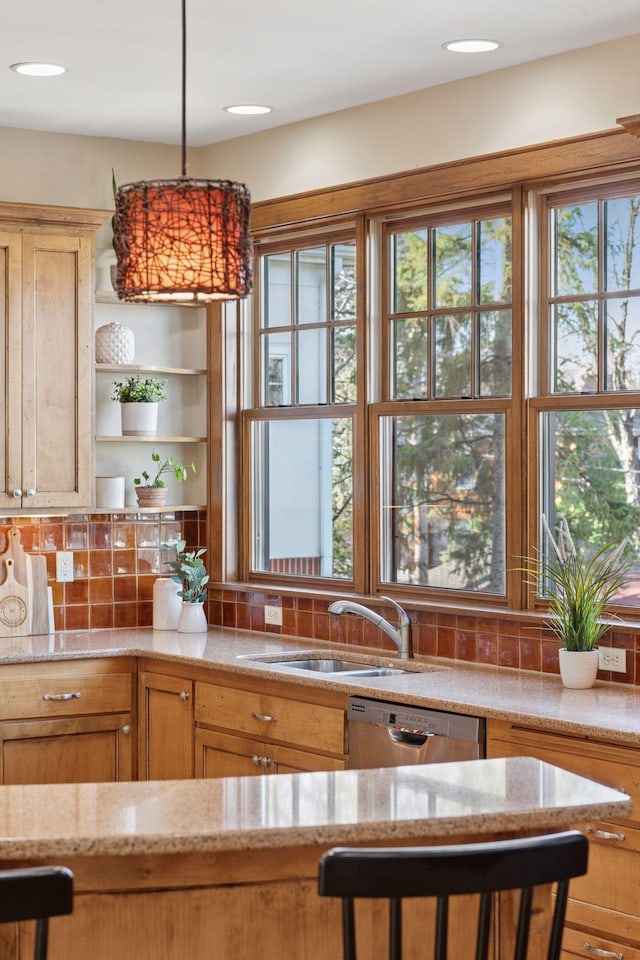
{"x":265,"y":762}
{"x":263,"y":716}
{"x":255,"y":760}
{"x":604,"y":835}
{"x":597,"y":952}
{"x":62,"y":696}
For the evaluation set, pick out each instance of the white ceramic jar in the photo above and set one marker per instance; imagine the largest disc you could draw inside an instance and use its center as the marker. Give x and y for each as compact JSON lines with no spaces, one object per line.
{"x":166,"y":604}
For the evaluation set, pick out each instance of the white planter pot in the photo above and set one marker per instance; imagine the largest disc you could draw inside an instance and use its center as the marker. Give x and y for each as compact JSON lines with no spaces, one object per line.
{"x":167,"y":605}
{"x":139,"y":419}
{"x":192,"y":618}
{"x":110,"y":493}
{"x":578,"y":668}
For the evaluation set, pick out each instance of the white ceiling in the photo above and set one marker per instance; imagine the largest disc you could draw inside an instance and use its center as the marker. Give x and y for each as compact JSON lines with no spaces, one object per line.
{"x":305,"y":59}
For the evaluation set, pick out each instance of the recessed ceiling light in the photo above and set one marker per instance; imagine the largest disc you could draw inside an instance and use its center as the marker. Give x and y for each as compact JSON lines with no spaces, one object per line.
{"x":38,"y":69}
{"x":248,"y":109}
{"x":471,"y":46}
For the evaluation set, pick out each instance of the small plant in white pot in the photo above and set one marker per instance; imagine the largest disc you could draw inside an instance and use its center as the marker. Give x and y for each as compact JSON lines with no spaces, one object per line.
{"x":191,"y":573}
{"x":580,"y":584}
{"x":151,"y":490}
{"x":139,"y":398}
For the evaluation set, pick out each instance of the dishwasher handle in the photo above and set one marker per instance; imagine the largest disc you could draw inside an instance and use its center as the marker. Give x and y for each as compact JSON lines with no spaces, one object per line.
{"x":411,"y":738}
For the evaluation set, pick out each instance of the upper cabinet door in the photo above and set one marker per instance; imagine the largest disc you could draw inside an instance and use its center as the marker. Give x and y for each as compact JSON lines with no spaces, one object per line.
{"x":56,"y":371}
{"x":10,"y":369}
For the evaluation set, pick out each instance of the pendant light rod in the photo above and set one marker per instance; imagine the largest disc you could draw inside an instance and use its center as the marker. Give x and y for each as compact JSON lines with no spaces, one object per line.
{"x":184,"y":88}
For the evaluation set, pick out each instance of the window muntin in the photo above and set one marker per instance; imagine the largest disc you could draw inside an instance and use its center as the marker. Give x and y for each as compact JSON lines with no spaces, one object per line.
{"x":594,"y":303}
{"x":442,"y":280}
{"x":307,"y":316}
{"x":443,"y":501}
{"x":302,"y":496}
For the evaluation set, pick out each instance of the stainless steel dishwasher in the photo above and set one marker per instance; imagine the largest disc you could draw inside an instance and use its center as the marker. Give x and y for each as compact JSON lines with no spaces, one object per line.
{"x":383,"y":734}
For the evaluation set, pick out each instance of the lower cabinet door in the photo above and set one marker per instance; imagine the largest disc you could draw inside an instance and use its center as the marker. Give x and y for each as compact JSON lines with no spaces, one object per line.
{"x":69,"y":750}
{"x":165,"y":740}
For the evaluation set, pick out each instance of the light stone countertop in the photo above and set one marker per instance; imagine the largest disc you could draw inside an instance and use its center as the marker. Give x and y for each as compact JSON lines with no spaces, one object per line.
{"x":428,"y":802}
{"x":610,"y":711}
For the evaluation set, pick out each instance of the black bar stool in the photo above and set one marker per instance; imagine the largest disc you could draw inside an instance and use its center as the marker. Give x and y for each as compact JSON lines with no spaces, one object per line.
{"x":441,"y":872}
{"x":36,"y":893}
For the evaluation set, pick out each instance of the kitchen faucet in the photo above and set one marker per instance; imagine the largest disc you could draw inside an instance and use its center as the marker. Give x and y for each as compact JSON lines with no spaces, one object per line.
{"x":400,"y":636}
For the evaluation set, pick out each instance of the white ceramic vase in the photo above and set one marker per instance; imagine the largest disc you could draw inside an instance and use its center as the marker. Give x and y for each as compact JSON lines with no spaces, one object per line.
{"x":139,"y":419}
{"x":115,"y":343}
{"x":192,"y":618}
{"x":167,"y":605}
{"x":578,"y":668}
{"x":110,"y":493}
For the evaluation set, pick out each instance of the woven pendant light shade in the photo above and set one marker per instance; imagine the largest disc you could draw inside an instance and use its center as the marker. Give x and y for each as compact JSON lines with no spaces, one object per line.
{"x":183,"y":240}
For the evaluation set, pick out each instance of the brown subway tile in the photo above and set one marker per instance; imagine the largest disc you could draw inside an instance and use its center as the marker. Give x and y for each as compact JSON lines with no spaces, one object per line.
{"x":76,"y":592}
{"x":487,"y":647}
{"x":100,"y":615}
{"x":243,"y":616}
{"x":145,"y":614}
{"x":124,"y":562}
{"x":100,"y":563}
{"x":100,"y":536}
{"x":256,"y":617}
{"x":424,"y":640}
{"x":125,"y":615}
{"x":305,"y":623}
{"x":125,"y":589}
{"x":145,"y":588}
{"x":77,"y":618}
{"x":447,"y":642}
{"x":508,"y":652}
{"x":101,"y":590}
{"x":549,"y":650}
{"x":530,"y":654}
{"x":51,"y":537}
{"x":228,"y":613}
{"x":466,"y":646}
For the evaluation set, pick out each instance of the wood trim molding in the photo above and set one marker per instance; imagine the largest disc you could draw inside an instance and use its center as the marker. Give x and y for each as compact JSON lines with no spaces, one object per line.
{"x":492,"y":172}
{"x":47,"y":216}
{"x":631,"y":124}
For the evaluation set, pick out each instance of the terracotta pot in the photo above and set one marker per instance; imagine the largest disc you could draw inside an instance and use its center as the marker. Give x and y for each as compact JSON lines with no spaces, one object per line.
{"x":151,"y":496}
{"x":578,"y":668}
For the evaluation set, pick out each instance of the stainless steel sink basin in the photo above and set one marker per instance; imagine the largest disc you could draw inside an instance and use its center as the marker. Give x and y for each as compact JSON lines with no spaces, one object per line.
{"x":344,"y":667}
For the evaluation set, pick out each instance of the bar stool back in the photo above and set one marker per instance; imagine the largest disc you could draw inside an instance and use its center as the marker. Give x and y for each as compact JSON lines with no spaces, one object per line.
{"x":441,"y":872}
{"x":36,"y":893}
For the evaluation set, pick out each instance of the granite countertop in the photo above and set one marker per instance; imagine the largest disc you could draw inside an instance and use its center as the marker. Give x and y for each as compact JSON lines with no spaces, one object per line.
{"x":610,"y":711}
{"x":435,"y":801}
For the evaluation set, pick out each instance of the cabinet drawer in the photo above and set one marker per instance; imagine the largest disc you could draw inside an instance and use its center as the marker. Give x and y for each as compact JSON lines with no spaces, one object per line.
{"x":614,"y":865}
{"x":64,"y":696}
{"x":320,"y":728}
{"x":577,"y":943}
{"x":223,"y":755}
{"x":615,"y":765}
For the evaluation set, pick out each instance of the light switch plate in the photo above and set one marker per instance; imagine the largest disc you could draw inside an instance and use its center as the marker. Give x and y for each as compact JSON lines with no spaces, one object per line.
{"x":273,"y":615}
{"x":612,"y":658}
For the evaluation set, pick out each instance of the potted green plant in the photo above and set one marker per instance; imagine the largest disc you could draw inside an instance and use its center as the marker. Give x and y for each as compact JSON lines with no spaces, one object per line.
{"x":151,"y":489}
{"x":580,"y":583}
{"x":139,"y":398}
{"x":190,"y":573}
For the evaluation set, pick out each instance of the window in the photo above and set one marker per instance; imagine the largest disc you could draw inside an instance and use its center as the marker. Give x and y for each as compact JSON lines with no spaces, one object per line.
{"x":589,"y":428}
{"x":301,"y":435}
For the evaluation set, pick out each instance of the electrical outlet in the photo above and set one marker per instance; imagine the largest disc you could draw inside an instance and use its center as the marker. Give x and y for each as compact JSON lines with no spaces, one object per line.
{"x":273,"y":615}
{"x":612,"y":658}
{"x":64,"y":566}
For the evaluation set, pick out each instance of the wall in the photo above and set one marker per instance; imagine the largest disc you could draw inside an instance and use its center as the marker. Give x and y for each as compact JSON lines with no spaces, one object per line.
{"x":116,"y":560}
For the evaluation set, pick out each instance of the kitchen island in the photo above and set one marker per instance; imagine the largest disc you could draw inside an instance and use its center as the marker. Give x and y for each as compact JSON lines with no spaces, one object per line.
{"x":227,"y":868}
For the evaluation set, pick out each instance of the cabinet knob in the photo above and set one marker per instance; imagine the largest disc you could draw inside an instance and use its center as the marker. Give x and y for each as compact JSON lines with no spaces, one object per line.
{"x":184,"y":695}
{"x":255,"y":760}
{"x":263,"y":716}
{"x":597,"y":952}
{"x":30,"y":492}
{"x":127,"y":729}
{"x":17,"y":494}
{"x":265,"y":762}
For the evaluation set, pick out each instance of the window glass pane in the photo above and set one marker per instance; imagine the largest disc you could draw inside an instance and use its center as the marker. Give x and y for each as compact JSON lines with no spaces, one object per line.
{"x":277,"y":368}
{"x":495,"y":260}
{"x":495,"y":353}
{"x":303,"y":497}
{"x":576,"y":346}
{"x":623,"y":344}
{"x":591,"y":476}
{"x":411,"y":358}
{"x":344,"y":364}
{"x":311,"y":292}
{"x":443,"y":501}
{"x":311,"y":365}
{"x":343,"y":258}
{"x":622,"y":243}
{"x":410,"y":259}
{"x":452,"y":356}
{"x":276,"y":273}
{"x":452,"y":265}
{"x":575,"y":264}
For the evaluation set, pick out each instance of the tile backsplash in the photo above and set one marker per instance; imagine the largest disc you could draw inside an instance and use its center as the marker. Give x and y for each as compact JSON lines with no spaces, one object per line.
{"x":522,"y":643}
{"x":116,"y":558}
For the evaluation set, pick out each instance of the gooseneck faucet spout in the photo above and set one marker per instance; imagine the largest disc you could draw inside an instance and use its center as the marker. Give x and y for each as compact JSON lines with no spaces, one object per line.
{"x":400,"y":636}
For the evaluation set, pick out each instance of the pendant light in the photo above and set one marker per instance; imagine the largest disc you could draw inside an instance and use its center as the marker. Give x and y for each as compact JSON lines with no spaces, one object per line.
{"x":185,"y":239}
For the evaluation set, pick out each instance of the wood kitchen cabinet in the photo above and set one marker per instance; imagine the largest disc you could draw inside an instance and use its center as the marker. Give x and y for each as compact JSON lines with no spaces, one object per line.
{"x":165,"y":741}
{"x":46,"y":267}
{"x":66,"y":722}
{"x":603,"y":916}
{"x":240,"y":732}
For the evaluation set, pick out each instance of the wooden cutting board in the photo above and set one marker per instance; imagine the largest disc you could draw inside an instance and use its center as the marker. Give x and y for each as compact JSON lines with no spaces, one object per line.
{"x":28,"y":576}
{"x":15,"y":603}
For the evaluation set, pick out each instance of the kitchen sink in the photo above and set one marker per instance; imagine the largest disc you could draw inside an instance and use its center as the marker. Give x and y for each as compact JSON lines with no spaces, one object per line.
{"x":349,"y":668}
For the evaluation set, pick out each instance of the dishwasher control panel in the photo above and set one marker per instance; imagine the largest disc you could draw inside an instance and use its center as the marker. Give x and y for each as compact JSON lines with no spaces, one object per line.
{"x":419,"y":720}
